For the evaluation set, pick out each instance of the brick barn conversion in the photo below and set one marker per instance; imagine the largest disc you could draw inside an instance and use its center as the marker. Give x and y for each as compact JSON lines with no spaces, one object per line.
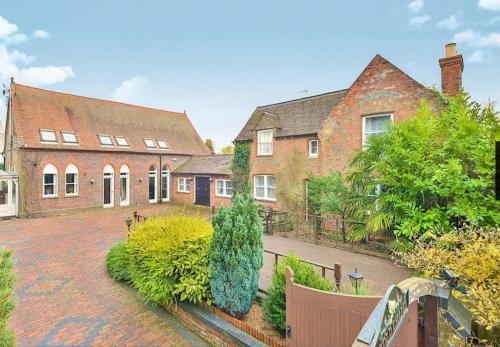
{"x":325,"y":130}
{"x":74,"y":152}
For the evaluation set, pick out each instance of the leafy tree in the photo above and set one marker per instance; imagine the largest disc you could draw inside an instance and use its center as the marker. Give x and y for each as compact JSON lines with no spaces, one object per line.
{"x":210,"y":144}
{"x":241,"y":167}
{"x":227,"y":149}
{"x":7,"y":283}
{"x":236,"y":256}
{"x":431,"y":174}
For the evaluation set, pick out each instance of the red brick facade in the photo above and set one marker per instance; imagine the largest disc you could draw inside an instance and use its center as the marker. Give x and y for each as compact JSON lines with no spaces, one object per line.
{"x":189,"y":198}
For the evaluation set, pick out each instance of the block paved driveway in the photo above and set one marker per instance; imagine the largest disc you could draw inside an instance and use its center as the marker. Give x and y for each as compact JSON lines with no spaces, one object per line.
{"x":64,"y":295}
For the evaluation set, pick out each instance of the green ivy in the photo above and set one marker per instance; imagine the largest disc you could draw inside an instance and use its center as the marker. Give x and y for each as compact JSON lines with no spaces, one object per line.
{"x":241,"y":167}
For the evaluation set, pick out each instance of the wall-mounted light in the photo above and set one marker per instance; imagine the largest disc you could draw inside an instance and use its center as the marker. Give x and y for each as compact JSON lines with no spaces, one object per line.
{"x":140,"y":179}
{"x":92,"y":181}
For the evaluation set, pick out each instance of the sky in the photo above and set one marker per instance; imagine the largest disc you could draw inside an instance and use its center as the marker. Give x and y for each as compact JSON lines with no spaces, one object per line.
{"x":218,"y":60}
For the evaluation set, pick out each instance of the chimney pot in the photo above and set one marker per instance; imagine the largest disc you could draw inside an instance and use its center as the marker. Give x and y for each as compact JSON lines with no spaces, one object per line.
{"x":451,"y":50}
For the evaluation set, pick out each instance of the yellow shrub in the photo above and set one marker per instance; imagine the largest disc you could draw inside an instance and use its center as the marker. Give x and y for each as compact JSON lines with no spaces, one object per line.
{"x":474,"y":255}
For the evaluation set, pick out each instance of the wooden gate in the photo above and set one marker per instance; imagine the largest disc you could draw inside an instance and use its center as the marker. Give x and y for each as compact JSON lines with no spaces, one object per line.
{"x":319,"y":318}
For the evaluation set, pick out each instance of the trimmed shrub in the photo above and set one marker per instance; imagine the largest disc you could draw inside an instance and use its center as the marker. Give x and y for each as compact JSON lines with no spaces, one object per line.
{"x":169,"y":259}
{"x":236,"y":256}
{"x":7,"y":282}
{"x":274,"y":303}
{"x":117,"y":262}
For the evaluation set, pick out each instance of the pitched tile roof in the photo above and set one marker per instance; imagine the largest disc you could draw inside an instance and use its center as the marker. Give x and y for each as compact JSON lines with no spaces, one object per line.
{"x":36,"y":109}
{"x":216,"y":164}
{"x":295,"y":117}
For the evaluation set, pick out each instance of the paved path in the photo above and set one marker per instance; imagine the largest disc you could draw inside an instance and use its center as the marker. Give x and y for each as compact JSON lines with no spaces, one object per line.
{"x":379,"y":272}
{"x":64,"y":295}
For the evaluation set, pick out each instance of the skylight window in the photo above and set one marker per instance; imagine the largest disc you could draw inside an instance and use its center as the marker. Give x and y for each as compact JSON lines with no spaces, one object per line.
{"x":149,"y":143}
{"x":162,"y":144}
{"x":121,"y":141}
{"x":105,"y":140}
{"x":48,"y":136}
{"x":69,"y":137}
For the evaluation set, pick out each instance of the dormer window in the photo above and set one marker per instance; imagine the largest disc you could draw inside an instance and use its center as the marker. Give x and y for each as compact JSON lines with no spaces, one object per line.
{"x":149,"y":143}
{"x":121,"y":141}
{"x":105,"y":140}
{"x":265,"y":142}
{"x":48,"y":136}
{"x":69,"y":137}
{"x":162,"y":144}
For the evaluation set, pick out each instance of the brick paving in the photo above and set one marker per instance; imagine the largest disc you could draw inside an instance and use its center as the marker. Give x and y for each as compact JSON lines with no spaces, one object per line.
{"x":64,"y":295}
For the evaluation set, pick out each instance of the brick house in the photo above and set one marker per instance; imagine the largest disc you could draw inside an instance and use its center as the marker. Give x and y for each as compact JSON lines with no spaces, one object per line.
{"x":74,"y":152}
{"x":324,"y":131}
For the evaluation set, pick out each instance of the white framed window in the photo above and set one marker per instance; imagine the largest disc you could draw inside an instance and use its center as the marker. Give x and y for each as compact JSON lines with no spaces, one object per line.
{"x":265,"y":142}
{"x":48,"y":136}
{"x":49,"y":181}
{"x":184,"y":185}
{"x":375,"y":125}
{"x":69,"y":137}
{"x":313,"y":148}
{"x":162,"y":144}
{"x":149,"y":143}
{"x":264,"y":187}
{"x":105,"y":140}
{"x":165,"y":183}
{"x":153,"y":181}
{"x":124,"y":185}
{"x":121,"y":141}
{"x":224,"y":188}
{"x":71,"y":180}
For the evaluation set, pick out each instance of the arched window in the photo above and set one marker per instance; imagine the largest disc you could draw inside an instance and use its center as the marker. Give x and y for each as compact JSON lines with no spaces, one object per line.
{"x":165,"y":183}
{"x":153,"y":177}
{"x":71,"y":176}
{"x":49,"y":181}
{"x":108,"y":186}
{"x":124,"y":185}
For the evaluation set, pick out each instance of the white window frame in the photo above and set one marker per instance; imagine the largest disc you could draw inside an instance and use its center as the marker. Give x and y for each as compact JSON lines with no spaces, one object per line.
{"x":153,"y":145}
{"x":153,"y":174}
{"x":363,"y":133}
{"x":162,"y":144}
{"x":50,"y":169}
{"x":125,"y":173}
{"x":70,"y":133}
{"x":224,"y":193}
{"x":311,"y":154}
{"x":186,"y":185}
{"x":71,"y":169}
{"x":120,"y":138}
{"x":259,"y":149}
{"x":265,"y":186}
{"x":165,"y":173}
{"x":44,"y":131}
{"x":101,"y":136}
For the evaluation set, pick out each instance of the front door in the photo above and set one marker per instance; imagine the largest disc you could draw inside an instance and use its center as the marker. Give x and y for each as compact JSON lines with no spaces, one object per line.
{"x":108,"y":190}
{"x":202,"y":193}
{"x":8,"y":197}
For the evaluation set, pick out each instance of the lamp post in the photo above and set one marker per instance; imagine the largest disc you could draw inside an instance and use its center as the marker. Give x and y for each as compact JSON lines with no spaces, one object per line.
{"x":356,"y":279}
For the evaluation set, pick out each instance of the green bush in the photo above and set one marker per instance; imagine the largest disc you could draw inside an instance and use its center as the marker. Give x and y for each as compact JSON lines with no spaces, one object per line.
{"x":274,"y":303}
{"x":117,"y":262}
{"x":169,"y":258}
{"x":236,"y":256}
{"x":7,"y":282}
{"x":241,"y":167}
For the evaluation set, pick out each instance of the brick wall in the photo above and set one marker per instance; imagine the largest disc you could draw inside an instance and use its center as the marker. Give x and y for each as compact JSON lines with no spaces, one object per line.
{"x":188,"y":198}
{"x":381,"y":88}
{"x":90,"y":166}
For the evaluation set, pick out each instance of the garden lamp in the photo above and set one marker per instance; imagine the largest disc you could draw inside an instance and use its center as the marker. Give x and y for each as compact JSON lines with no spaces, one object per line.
{"x":356,"y":279}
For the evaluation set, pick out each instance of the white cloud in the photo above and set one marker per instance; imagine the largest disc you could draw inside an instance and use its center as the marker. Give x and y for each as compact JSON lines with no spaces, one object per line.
{"x":6,"y":28}
{"x":419,"y":20}
{"x":449,"y":23}
{"x":478,"y":57}
{"x":15,"y":39}
{"x":44,"y":75}
{"x":492,"y":5}
{"x":476,"y":39}
{"x":416,"y":5}
{"x":41,"y":34}
{"x":137,"y":90}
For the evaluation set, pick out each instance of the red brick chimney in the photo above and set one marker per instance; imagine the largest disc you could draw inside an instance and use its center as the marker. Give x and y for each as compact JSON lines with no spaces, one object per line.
{"x":452,"y":66}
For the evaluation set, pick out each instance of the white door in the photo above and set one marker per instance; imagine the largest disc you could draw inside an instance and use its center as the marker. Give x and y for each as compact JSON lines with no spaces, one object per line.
{"x":124,"y":186}
{"x":108,"y":187}
{"x":165,"y":184}
{"x":8,"y":197}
